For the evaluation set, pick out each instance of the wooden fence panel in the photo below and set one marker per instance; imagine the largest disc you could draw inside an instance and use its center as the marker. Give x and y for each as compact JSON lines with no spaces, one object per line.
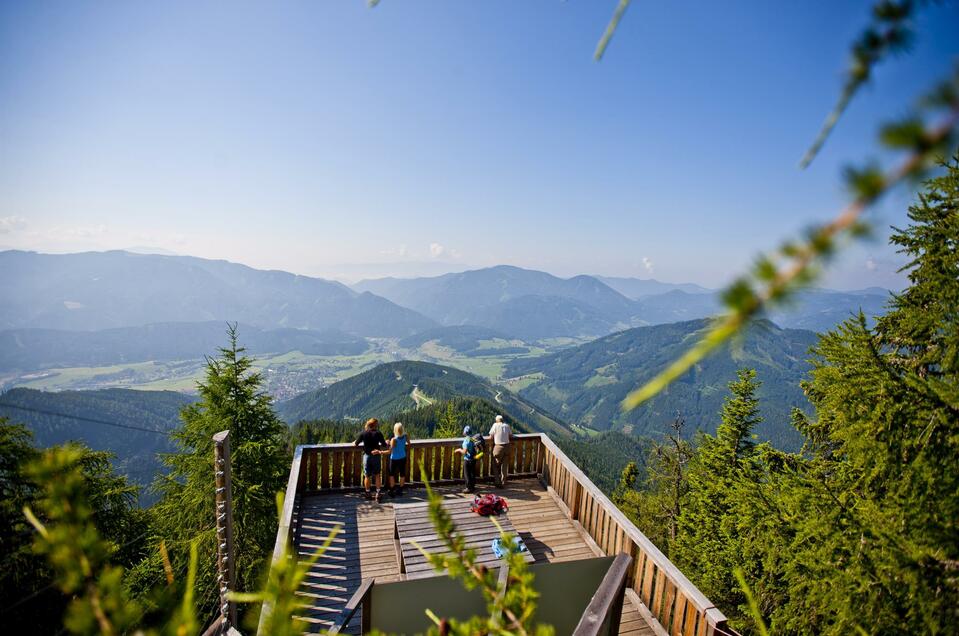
{"x":324,"y":470}
{"x":313,"y":459}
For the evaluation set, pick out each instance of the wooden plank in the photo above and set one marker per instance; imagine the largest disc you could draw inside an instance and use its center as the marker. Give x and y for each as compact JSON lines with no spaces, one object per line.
{"x":348,"y":469}
{"x":428,"y":463}
{"x":409,"y":462}
{"x":649,"y":571}
{"x":313,"y":459}
{"x":516,"y":459}
{"x":448,"y":463}
{"x":337,"y":469}
{"x":669,"y":599}
{"x":366,"y":545}
{"x":325,"y":469}
{"x":458,"y":466}
{"x":357,"y":467}
{"x":689,"y":623}
{"x":657,"y":607}
{"x":437,"y":463}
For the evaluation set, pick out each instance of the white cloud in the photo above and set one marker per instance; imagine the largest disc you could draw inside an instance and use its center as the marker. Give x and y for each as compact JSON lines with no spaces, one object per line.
{"x":437,"y":250}
{"x":402,"y":251}
{"x":871,"y":264}
{"x":10,"y":224}
{"x":648,"y":264}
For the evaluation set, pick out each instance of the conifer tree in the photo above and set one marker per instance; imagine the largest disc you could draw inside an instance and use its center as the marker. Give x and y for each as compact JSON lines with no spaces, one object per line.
{"x":707,"y":542}
{"x":656,"y":504}
{"x":231,"y":397}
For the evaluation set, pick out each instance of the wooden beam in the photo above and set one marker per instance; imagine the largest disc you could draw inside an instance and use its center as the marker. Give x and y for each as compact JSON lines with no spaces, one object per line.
{"x":605,"y":609}
{"x":226,"y":570}
{"x":360,"y":598}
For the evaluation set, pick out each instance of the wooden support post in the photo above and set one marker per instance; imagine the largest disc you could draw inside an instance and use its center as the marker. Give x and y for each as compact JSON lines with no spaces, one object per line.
{"x":226,"y":572}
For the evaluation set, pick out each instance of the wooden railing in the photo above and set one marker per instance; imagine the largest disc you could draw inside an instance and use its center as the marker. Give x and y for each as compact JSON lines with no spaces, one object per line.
{"x":670,"y":599}
{"x":332,"y":467}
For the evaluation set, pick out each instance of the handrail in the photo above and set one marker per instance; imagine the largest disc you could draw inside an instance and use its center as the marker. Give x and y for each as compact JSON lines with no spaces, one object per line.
{"x":284,"y":532}
{"x":360,"y":597}
{"x":605,"y":609}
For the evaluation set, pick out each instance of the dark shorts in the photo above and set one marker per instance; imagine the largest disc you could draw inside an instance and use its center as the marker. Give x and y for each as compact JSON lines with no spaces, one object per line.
{"x":398,"y":467}
{"x":372,"y":465}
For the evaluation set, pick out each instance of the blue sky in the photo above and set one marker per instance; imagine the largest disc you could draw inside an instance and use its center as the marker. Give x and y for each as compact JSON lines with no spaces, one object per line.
{"x":328,"y":138}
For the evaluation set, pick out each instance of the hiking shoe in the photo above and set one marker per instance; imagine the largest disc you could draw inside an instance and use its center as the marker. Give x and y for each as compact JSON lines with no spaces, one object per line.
{"x":379,"y":496}
{"x":393,"y":492}
{"x":367,"y":495}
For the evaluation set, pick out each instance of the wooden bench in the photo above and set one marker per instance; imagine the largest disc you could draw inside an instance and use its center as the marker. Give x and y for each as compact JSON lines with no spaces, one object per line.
{"x":413,"y":525}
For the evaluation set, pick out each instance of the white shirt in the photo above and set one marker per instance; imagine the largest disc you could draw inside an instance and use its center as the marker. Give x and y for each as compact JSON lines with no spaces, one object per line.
{"x":500,"y":433}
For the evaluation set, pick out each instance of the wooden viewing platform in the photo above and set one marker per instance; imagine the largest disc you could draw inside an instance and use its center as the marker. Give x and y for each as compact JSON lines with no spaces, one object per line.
{"x":559,"y":513}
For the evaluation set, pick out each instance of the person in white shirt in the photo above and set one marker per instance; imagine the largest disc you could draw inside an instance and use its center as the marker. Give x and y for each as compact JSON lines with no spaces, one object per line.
{"x":501,"y":435}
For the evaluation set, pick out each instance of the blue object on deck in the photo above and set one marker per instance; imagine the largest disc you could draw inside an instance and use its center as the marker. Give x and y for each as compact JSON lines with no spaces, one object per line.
{"x":500,"y":550}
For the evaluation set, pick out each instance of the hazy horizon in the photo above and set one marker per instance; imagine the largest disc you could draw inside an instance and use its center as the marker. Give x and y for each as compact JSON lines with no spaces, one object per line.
{"x":338,"y":141}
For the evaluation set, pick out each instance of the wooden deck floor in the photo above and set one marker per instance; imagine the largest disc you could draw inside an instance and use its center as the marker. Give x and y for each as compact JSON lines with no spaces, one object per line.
{"x":364,"y":546}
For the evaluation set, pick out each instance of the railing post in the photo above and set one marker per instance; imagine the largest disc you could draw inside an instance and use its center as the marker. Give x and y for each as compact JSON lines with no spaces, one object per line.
{"x":226,"y":579}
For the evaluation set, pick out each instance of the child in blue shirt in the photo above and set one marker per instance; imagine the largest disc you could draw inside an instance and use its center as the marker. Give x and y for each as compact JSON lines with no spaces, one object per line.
{"x":468,"y":450}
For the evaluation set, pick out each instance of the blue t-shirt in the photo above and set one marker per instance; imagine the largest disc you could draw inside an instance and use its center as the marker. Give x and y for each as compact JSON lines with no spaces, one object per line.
{"x":470,"y":447}
{"x":399,"y":448}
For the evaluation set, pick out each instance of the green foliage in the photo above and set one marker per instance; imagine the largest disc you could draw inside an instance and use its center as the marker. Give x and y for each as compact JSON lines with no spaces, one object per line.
{"x":656,"y":504}
{"x":76,"y":551}
{"x":602,"y":457}
{"x":448,"y":425}
{"x":26,"y":581}
{"x":923,"y":328}
{"x":84,"y":564}
{"x":707,"y":540}
{"x":230,"y":398}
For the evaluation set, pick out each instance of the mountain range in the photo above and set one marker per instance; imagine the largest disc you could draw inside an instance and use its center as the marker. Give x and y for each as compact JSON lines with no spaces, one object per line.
{"x":532,"y":305}
{"x":103,"y":290}
{"x":95,"y":291}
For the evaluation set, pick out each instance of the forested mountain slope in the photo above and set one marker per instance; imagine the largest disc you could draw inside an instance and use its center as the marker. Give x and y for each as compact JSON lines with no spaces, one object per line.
{"x":585,"y":384}
{"x":135,"y":450}
{"x":399,"y":386}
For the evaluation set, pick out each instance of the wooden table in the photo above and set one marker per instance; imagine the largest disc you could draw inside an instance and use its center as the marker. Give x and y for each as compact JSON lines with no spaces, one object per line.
{"x":413,"y":524}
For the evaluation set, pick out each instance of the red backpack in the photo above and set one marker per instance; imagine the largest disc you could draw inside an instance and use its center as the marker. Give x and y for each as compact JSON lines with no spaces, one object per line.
{"x":488,"y":504}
